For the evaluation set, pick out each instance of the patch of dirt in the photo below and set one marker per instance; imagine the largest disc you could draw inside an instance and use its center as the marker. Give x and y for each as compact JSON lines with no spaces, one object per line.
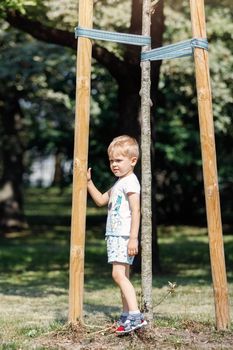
{"x":192,"y":336}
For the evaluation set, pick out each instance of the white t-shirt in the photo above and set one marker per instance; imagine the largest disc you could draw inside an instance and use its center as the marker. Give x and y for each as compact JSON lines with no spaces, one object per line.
{"x":119,"y":213}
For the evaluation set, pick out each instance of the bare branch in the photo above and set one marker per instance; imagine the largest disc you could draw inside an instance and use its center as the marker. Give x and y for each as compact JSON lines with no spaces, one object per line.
{"x":67,"y":39}
{"x":154,"y":5}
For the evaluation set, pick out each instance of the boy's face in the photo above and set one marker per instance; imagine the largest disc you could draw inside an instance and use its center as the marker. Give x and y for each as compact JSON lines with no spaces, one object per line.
{"x":121,"y":165}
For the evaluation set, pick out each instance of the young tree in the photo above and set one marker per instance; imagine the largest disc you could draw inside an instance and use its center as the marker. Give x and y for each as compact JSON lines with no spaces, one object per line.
{"x":146,"y":173}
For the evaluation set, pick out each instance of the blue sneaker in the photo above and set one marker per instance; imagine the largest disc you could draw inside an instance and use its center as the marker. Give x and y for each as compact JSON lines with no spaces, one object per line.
{"x":131,"y":324}
{"x":121,"y":320}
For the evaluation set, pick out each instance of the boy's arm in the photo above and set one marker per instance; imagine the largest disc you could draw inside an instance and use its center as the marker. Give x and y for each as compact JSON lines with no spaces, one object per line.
{"x":99,"y":198}
{"x":134,"y":202}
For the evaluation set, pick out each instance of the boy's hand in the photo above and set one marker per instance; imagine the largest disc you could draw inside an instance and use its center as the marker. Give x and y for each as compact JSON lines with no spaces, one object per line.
{"x":133,"y":246}
{"x":88,"y":174}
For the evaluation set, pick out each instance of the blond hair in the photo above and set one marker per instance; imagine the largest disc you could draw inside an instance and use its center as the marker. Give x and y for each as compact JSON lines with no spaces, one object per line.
{"x":125,"y":145}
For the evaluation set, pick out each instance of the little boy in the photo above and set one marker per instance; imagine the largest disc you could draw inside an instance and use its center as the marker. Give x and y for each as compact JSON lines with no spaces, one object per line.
{"x":122,"y":227}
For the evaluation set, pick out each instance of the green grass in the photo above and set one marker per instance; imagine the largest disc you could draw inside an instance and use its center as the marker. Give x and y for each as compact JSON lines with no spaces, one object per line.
{"x":34,"y":274}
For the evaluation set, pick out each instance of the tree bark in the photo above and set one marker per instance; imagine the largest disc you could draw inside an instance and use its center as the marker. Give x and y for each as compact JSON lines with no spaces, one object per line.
{"x":58,"y":178}
{"x":146,"y":211}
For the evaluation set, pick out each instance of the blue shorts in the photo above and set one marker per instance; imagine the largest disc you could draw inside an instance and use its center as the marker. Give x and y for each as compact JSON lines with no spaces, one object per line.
{"x":117,"y":250}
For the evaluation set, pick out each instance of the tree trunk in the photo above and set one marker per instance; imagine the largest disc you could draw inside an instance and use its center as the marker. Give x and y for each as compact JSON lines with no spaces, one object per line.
{"x":146,"y":228}
{"x":58,"y":178}
{"x":11,"y":199}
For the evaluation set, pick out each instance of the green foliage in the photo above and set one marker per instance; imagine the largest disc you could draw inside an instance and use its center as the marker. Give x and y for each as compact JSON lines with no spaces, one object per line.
{"x":19,"y":5}
{"x":178,"y":154}
{"x":42,"y":79}
{"x":108,"y":14}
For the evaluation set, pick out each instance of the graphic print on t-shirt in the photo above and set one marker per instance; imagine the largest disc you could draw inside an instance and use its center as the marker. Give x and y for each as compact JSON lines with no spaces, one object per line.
{"x":115,"y":213}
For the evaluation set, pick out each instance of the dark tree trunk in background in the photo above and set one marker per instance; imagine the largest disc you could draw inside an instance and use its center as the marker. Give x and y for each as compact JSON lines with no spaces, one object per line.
{"x":58,"y":178}
{"x":12,"y":149}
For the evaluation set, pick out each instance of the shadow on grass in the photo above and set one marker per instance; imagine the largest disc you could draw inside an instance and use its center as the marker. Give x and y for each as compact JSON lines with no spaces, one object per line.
{"x":103,"y":309}
{"x":37,"y":264}
{"x":189,"y":256}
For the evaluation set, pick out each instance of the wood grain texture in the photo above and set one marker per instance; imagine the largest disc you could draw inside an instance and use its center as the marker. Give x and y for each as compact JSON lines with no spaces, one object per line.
{"x":81,"y":141}
{"x":210,"y":169}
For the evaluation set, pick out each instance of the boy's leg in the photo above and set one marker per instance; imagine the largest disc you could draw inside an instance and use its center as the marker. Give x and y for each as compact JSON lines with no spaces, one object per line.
{"x":135,"y":320}
{"x":124,"y":302}
{"x":120,"y":274}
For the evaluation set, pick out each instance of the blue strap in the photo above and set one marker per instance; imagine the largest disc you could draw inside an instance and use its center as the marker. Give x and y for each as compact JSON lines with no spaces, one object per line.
{"x":180,"y":49}
{"x":131,"y":39}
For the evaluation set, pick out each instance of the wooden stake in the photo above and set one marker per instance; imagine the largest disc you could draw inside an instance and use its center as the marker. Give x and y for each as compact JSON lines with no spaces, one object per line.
{"x":81,"y":137}
{"x":146,"y":226}
{"x":210,"y":169}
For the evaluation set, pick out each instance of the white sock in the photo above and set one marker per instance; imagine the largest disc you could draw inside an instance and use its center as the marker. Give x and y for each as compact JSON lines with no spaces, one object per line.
{"x":135,"y":313}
